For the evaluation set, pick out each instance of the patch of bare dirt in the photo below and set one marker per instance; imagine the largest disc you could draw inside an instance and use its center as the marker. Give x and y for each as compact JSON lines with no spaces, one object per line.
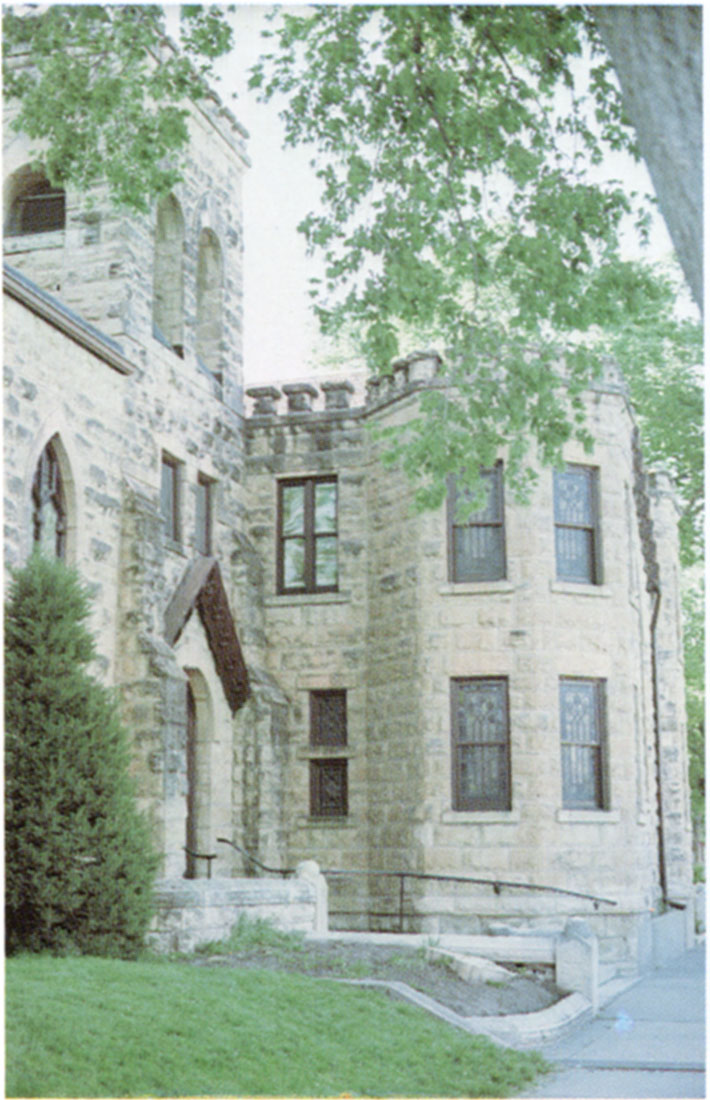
{"x":531,"y":988}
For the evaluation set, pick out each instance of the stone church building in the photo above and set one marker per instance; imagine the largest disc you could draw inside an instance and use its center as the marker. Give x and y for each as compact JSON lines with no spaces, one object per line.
{"x":307,"y":668}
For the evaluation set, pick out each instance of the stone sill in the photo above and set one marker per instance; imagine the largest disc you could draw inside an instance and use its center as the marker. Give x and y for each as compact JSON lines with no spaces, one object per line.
{"x":480,"y":817}
{"x":579,"y":588}
{"x":301,"y":599}
{"x":26,"y":242}
{"x":326,"y":752}
{"x":589,"y":817}
{"x":477,"y":588}
{"x":325,"y":823}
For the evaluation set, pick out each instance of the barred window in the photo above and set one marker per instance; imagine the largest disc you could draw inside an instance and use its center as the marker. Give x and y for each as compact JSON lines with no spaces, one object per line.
{"x":328,"y":776}
{"x":49,"y":513}
{"x":480,"y":744}
{"x":307,"y":552}
{"x":576,"y":525}
{"x":583,"y":743}
{"x":477,"y":539}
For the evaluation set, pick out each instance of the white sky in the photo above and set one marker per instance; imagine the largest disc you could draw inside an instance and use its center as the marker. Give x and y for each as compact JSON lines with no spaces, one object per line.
{"x":281,"y":336}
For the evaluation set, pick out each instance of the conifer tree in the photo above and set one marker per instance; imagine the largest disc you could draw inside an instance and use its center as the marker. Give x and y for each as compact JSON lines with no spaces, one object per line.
{"x":79,"y":861}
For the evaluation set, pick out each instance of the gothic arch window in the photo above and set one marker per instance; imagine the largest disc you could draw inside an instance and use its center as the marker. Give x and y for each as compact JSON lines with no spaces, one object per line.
{"x":34,"y":204}
{"x":49,"y":509}
{"x":168,"y":278}
{"x":209,"y":302}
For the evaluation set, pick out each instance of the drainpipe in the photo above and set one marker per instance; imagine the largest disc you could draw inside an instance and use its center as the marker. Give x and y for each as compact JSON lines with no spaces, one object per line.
{"x":657,"y":741}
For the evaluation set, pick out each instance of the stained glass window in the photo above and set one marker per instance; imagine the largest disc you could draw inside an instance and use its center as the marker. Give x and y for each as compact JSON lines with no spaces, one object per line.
{"x":307,"y":559}
{"x":477,"y":539}
{"x":49,"y":518}
{"x":481,"y":744}
{"x":576,"y":535}
{"x":582,"y":743}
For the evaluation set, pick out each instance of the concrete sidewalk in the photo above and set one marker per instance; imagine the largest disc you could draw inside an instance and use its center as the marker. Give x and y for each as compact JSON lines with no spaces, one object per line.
{"x":649,"y":1041}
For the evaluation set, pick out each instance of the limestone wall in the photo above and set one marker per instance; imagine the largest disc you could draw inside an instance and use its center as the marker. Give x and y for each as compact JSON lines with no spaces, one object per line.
{"x":410,"y":631}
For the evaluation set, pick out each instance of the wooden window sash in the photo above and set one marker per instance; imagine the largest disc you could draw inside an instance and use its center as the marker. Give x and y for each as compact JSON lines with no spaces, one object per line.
{"x":308,"y":535}
{"x":499,"y":799}
{"x":594,"y":749}
{"x":495,"y":570}
{"x":591,"y":528}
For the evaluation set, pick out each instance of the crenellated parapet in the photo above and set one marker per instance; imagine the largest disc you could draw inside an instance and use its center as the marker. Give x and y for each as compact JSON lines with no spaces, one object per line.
{"x":404,"y":377}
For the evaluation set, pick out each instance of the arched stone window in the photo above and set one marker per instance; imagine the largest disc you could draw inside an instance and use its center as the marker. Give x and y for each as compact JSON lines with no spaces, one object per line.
{"x":209,"y":302}
{"x":168,"y":274}
{"x":33,"y":204}
{"x":49,"y":510}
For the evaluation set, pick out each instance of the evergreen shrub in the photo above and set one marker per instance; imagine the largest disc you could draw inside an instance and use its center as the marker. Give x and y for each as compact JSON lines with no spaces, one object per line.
{"x":79,"y":860}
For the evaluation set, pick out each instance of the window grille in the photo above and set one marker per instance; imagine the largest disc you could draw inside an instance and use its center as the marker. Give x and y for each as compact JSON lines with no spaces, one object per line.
{"x":328,"y":777}
{"x":329,"y":788}
{"x":477,"y":539}
{"x":307,"y":553}
{"x":576,"y":525}
{"x":583,"y":743}
{"x":481,"y":744}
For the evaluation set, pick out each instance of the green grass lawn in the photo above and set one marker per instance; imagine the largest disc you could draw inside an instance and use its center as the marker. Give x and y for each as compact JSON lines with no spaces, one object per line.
{"x":103,"y":1027}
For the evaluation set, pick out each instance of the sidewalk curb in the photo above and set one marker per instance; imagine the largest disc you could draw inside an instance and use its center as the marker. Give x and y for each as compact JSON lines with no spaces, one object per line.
{"x":521,"y":1030}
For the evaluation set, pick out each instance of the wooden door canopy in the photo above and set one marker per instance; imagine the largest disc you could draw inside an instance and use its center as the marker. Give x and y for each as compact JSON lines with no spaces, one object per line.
{"x":201,"y":586}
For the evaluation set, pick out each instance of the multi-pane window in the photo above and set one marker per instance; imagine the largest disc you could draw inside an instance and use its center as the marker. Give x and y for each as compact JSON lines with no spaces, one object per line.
{"x":41,"y":209}
{"x":480,"y":744}
{"x":582,"y":736}
{"x":307,"y":559}
{"x":328,"y":775}
{"x":576,"y":525}
{"x":170,"y":497}
{"x":49,"y":517}
{"x":203,"y":514}
{"x":477,"y":539}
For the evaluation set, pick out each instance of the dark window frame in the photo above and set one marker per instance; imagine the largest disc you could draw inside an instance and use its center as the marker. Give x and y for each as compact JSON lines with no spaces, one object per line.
{"x":309,"y":536}
{"x":203,"y":517}
{"x":495,"y":570}
{"x":171,"y":519}
{"x":322,"y":705}
{"x":318,"y":771}
{"x":500,"y":800}
{"x":598,"y":748}
{"x":591,"y":527}
{"x":41,"y":203}
{"x":328,"y":730}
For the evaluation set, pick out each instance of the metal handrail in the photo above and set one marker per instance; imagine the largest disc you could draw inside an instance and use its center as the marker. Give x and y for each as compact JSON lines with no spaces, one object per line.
{"x":283,"y":871}
{"x":202,"y":855}
{"x":496,"y":883}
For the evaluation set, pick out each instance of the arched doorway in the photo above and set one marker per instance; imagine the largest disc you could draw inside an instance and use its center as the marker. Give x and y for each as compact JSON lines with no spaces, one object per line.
{"x":198,"y":810}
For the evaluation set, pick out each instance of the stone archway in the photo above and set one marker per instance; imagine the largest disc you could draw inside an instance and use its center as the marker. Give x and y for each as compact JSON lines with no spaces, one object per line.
{"x":198,"y":816}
